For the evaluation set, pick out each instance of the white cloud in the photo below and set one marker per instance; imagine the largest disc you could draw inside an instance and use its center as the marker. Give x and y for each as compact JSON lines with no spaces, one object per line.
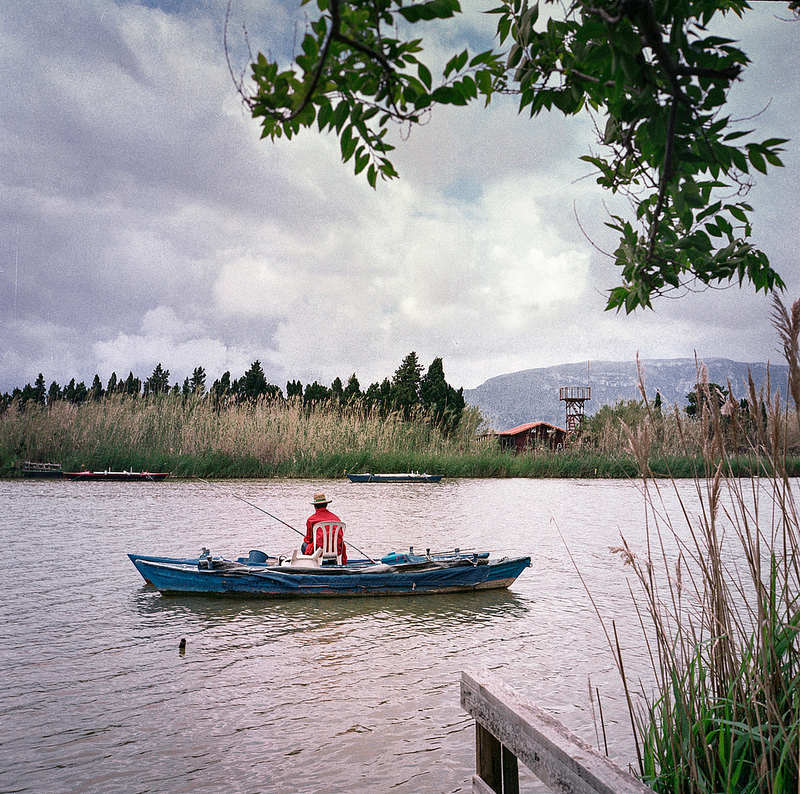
{"x":165,"y":339}
{"x":154,"y":225}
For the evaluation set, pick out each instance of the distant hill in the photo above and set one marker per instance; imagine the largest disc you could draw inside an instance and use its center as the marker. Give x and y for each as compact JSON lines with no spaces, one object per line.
{"x":532,"y":395}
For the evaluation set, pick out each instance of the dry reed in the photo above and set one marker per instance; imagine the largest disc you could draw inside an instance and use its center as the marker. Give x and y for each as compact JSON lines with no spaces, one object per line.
{"x":718,"y":601}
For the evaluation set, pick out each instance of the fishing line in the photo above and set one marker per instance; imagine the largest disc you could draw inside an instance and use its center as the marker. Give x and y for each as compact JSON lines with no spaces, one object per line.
{"x":241,"y":499}
{"x":266,"y":512}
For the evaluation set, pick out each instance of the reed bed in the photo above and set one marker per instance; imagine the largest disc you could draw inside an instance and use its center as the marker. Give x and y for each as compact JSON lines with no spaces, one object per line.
{"x":193,"y":437}
{"x":717,"y":595}
{"x":190,"y":437}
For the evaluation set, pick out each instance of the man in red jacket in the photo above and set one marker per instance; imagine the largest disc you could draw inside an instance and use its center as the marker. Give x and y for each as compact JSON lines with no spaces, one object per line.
{"x":321,"y":514}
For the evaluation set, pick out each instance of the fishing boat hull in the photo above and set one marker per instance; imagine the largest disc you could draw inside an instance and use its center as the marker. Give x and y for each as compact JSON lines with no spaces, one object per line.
{"x":410,"y":477}
{"x":117,"y":476}
{"x":403,"y":576}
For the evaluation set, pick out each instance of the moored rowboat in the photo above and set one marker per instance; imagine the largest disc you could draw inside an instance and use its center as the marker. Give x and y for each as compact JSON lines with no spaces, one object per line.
{"x":117,"y":476}
{"x":260,"y":576}
{"x":403,"y":477}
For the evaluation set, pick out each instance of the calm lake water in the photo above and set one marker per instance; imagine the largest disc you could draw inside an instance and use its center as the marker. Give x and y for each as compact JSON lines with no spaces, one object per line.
{"x":339,"y":695}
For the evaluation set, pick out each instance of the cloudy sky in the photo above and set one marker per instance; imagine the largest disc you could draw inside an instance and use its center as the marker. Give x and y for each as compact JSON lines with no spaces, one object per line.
{"x":143,"y":221}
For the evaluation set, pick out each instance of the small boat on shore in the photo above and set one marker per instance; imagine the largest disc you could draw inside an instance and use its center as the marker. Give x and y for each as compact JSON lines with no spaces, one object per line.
{"x":36,"y":469}
{"x":262,"y":576}
{"x":403,"y":477}
{"x":117,"y":476}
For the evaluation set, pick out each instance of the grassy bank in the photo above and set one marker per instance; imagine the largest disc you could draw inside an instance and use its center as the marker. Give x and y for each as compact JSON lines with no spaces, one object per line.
{"x":189,"y":438}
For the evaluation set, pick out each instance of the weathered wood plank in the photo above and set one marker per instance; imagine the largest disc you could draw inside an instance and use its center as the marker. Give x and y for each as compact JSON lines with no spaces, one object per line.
{"x":558,"y":757}
{"x":479,"y":786}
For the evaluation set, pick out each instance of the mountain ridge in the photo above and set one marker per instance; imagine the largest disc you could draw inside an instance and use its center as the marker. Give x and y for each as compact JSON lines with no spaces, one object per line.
{"x":531,"y":395}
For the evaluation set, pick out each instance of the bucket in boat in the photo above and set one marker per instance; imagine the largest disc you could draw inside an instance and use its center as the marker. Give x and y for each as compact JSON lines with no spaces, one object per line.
{"x":257,"y":557}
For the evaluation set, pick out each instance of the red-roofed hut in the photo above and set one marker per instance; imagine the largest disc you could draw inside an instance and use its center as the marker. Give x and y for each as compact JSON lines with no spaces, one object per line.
{"x":528,"y":436}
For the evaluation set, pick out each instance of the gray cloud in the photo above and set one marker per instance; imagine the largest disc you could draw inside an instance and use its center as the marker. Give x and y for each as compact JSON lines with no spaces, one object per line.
{"x":143,"y":221}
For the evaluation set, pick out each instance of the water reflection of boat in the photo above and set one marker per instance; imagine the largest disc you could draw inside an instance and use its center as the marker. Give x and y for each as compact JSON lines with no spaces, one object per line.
{"x":395,"y":574}
{"x":445,"y":611}
{"x":402,"y":477}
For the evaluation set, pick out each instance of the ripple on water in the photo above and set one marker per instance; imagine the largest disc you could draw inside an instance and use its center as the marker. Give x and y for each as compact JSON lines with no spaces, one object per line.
{"x":362,"y":694}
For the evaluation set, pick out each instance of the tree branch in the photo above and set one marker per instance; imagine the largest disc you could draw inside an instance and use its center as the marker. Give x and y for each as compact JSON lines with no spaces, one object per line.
{"x":666,"y":174}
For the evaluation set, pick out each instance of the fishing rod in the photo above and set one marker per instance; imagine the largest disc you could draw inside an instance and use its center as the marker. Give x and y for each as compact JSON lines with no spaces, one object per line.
{"x":241,"y":499}
{"x":294,"y":529}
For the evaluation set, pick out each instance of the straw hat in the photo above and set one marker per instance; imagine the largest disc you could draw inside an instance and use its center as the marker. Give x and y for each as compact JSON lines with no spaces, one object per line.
{"x":319,"y":499}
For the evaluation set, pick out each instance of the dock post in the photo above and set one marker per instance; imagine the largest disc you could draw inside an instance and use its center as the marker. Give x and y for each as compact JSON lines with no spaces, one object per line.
{"x":510,"y":728}
{"x":495,"y":765}
{"x":488,"y":759}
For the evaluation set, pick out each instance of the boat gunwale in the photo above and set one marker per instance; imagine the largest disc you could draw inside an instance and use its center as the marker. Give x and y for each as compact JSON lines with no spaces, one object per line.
{"x":242,"y":570}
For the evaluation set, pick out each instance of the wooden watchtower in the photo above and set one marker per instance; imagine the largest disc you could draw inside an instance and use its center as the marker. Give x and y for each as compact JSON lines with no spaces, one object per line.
{"x":575,"y":397}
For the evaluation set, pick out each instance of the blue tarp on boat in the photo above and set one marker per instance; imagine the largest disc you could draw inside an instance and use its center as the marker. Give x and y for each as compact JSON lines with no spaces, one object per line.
{"x":411,"y":575}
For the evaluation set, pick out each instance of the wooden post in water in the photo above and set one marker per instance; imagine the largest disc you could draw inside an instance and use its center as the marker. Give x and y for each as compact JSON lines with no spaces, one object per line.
{"x":488,"y":758}
{"x":508,"y":728}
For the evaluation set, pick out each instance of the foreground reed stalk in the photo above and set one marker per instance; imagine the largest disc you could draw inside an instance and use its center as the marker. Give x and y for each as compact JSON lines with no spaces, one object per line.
{"x":718,"y":596}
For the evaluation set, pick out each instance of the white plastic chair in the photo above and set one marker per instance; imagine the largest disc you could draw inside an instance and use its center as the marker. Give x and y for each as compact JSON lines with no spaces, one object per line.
{"x":304,"y":560}
{"x":331,"y":532}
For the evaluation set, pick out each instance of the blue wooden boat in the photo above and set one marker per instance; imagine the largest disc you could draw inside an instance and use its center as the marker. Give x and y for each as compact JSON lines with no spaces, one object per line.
{"x":407,"y":477}
{"x":262,"y":576}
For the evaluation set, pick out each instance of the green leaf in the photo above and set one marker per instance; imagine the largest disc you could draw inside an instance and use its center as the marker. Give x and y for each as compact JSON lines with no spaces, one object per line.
{"x":434,"y":9}
{"x":340,"y":114}
{"x":448,"y":95}
{"x":348,"y":143}
{"x":425,"y":75}
{"x":325,"y":115}
{"x":737,"y":213}
{"x":456,"y":63}
{"x":757,"y":159}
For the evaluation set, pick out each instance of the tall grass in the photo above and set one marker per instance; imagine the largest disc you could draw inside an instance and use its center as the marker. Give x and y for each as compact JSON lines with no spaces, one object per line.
{"x":190,"y":437}
{"x":718,"y":590}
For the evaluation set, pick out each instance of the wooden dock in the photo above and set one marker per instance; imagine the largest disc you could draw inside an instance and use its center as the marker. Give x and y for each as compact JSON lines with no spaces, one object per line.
{"x":509,"y":728}
{"x":35,"y":469}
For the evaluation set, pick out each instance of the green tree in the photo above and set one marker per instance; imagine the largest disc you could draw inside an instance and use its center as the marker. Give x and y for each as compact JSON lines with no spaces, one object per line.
{"x":96,"y":392}
{"x":222,"y":387}
{"x":651,"y":70}
{"x":352,"y":391}
{"x":39,"y":390}
{"x":294,"y":389}
{"x":158,"y":382}
{"x":714,"y":391}
{"x":112,"y":386}
{"x":75,"y":393}
{"x":443,"y":404}
{"x":337,"y":391}
{"x":316,"y":393}
{"x":53,"y":393}
{"x":31,"y":394}
{"x":379,"y":396}
{"x":221,"y":390}
{"x":254,"y":384}
{"x":132,"y":386}
{"x":197,"y":385}
{"x":405,"y":396}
